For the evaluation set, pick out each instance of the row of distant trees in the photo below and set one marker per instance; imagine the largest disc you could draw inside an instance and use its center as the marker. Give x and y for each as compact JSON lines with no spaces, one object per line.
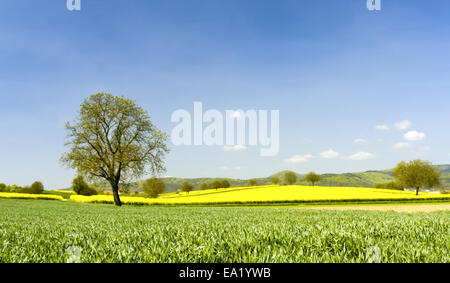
{"x":35,"y":188}
{"x":415,"y":174}
{"x":155,"y":186}
{"x":290,"y":178}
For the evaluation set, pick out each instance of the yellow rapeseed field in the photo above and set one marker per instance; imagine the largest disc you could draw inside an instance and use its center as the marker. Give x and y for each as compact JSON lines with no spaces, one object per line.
{"x":269,"y":194}
{"x":30,"y":196}
{"x":64,"y":192}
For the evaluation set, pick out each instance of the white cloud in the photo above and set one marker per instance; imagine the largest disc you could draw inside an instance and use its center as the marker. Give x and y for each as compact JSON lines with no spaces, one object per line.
{"x":382,"y":127}
{"x":380,"y":140}
{"x":360,"y":141}
{"x":414,"y":136}
{"x":238,"y":147}
{"x":298,"y":158}
{"x":329,"y":154}
{"x":402,"y":145}
{"x":422,"y":151}
{"x":361,"y":156}
{"x":403,"y":125}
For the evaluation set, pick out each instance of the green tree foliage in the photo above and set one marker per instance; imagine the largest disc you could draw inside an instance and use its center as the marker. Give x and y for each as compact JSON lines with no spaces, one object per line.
{"x":290,"y":178}
{"x":313,"y":178}
{"x":3,"y":188}
{"x":80,"y":187}
{"x":187,"y":187}
{"x":113,"y":139}
{"x":203,"y":186}
{"x":16,"y":189}
{"x":275,"y":180}
{"x":416,"y":174}
{"x":252,"y":182}
{"x":215,"y":185}
{"x":225,"y":184}
{"x":36,"y":188}
{"x":389,"y":186}
{"x":153,"y":187}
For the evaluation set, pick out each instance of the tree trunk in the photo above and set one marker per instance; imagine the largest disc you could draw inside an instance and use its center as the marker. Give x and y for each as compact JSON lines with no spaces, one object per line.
{"x":115,"y":189}
{"x":417,"y":191}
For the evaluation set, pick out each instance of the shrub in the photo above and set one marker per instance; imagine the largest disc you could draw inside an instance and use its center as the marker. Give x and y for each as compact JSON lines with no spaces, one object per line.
{"x":2,"y":187}
{"x":153,"y":187}
{"x":16,"y":189}
{"x":80,"y":187}
{"x":252,"y":182}
{"x":203,"y":186}
{"x":36,"y":188}
{"x":390,"y":185}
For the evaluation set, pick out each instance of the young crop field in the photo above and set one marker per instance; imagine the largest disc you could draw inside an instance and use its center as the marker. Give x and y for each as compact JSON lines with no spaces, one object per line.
{"x":48,"y":231}
{"x":272,"y":194}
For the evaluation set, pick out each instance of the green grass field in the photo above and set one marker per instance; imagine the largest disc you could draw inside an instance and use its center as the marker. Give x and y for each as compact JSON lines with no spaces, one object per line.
{"x":42,"y":231}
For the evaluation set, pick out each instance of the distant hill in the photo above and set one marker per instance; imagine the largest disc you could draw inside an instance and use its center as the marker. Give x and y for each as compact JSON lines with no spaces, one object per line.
{"x":361,"y":179}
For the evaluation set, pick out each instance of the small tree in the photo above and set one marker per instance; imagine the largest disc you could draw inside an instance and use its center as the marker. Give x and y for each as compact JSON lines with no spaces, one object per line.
{"x":416,"y":174}
{"x":36,"y":188}
{"x":275,"y":180}
{"x":187,"y":187}
{"x":252,"y":182}
{"x":203,"y":186}
{"x":2,"y":187}
{"x":215,"y":185}
{"x":80,"y":187}
{"x":153,"y":187}
{"x":290,"y":177}
{"x":225,"y":184}
{"x":313,"y":178}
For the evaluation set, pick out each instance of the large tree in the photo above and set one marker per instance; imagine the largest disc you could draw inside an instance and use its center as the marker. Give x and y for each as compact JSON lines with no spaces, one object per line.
{"x":114,"y":139}
{"x":313,"y":178}
{"x":416,"y":174}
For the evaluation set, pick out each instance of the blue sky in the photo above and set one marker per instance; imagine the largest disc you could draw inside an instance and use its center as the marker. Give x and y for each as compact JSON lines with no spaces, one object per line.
{"x":333,"y":69}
